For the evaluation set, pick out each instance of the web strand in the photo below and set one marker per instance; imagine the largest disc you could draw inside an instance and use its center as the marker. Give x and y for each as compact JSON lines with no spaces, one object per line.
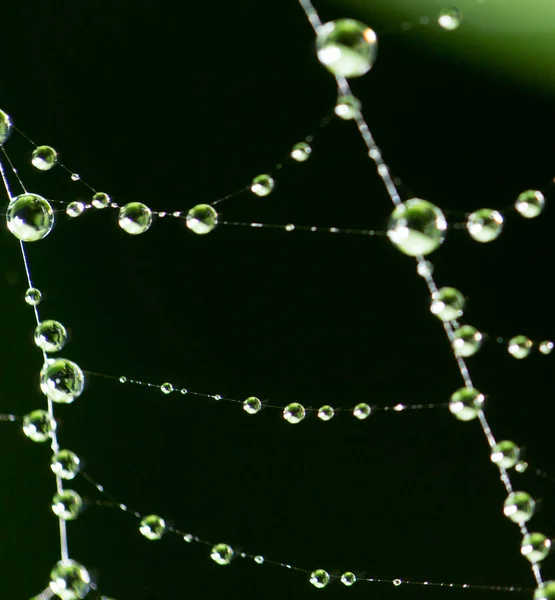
{"x":375,"y":154}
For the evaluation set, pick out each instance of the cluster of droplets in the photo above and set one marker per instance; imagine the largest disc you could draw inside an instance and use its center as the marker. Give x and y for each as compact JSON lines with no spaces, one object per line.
{"x":153,"y":527}
{"x":418,"y":228}
{"x":293,"y":413}
{"x":347,"y":48}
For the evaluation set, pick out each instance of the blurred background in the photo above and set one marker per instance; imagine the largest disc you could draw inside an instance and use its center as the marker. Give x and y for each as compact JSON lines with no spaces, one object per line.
{"x":174,"y":105}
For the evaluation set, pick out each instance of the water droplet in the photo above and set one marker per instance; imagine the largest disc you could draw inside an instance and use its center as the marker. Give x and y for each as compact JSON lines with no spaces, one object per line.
{"x":447,"y":304}
{"x":467,"y":341}
{"x":348,"y":578}
{"x":33,"y":296}
{"x":519,"y":507}
{"x":485,"y":225}
{"x":417,"y":227}
{"x":347,"y":48}
{"x":30,"y":217}
{"x":319,"y":578}
{"x":167,"y":388}
{"x":65,"y":464}
{"x":535,"y":547}
{"x":123,"y":379}
{"x":61,"y":380}
{"x":67,"y":505}
{"x":450,"y":18}
{"x":38,"y":426}
{"x":466,"y":402}
{"x":326,"y":413}
{"x":521,"y":466}
{"x":546,"y":347}
{"x":153,"y":527}
{"x":505,"y":454}
{"x":362,"y":411}
{"x":530,"y":203}
{"x":44,"y":158}
{"x":202,"y":219}
{"x":262,"y":185}
{"x":69,"y":580}
{"x":75,"y":177}
{"x":135,"y":218}
{"x":294,"y":413}
{"x":252,"y":405}
{"x":520,"y":346}
{"x":348,"y":107}
{"x":397,"y":582}
{"x":188,"y":538}
{"x":259,"y":560}
{"x":101,"y":200}
{"x":221,"y":554}
{"x":301,"y":152}
{"x":75,"y":209}
{"x":50,"y":336}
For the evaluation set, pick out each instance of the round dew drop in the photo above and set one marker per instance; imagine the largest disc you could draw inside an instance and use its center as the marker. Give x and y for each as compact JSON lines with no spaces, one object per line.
{"x":325,"y":413}
{"x":301,"y":152}
{"x":519,"y":507}
{"x":467,"y":341}
{"x":262,"y":185}
{"x":466,"y":403}
{"x":44,"y":158}
{"x":69,"y":580}
{"x":153,"y":527}
{"x":417,"y":227}
{"x":38,"y":426}
{"x":294,"y":413}
{"x":50,"y":336}
{"x":65,"y":464}
{"x":447,"y":304}
{"x":319,"y":578}
{"x":33,"y":297}
{"x":221,"y":554}
{"x":347,"y":48}
{"x":61,"y":380}
{"x":520,"y":346}
{"x":101,"y":200}
{"x":485,"y":225}
{"x":347,"y":107}
{"x":505,"y":454}
{"x":30,"y":217}
{"x":530,"y":204}
{"x":535,"y":547}
{"x":75,"y":209}
{"x":546,"y":347}
{"x":348,"y":578}
{"x":362,"y":411}
{"x":252,"y":405}
{"x":202,"y":219}
{"x":135,"y":218}
{"x":450,"y":18}
{"x":67,"y":505}
{"x":166,"y":388}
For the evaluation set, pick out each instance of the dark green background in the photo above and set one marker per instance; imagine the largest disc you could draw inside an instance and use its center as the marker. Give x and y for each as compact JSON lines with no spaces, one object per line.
{"x":177,"y":105}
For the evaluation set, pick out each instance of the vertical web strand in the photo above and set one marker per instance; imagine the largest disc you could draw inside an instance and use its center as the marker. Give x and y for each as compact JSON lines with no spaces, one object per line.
{"x":375,"y":154}
{"x":64,"y":553}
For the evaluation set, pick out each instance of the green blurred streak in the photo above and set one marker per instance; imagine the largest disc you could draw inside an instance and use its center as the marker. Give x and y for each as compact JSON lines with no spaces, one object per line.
{"x":511,"y":38}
